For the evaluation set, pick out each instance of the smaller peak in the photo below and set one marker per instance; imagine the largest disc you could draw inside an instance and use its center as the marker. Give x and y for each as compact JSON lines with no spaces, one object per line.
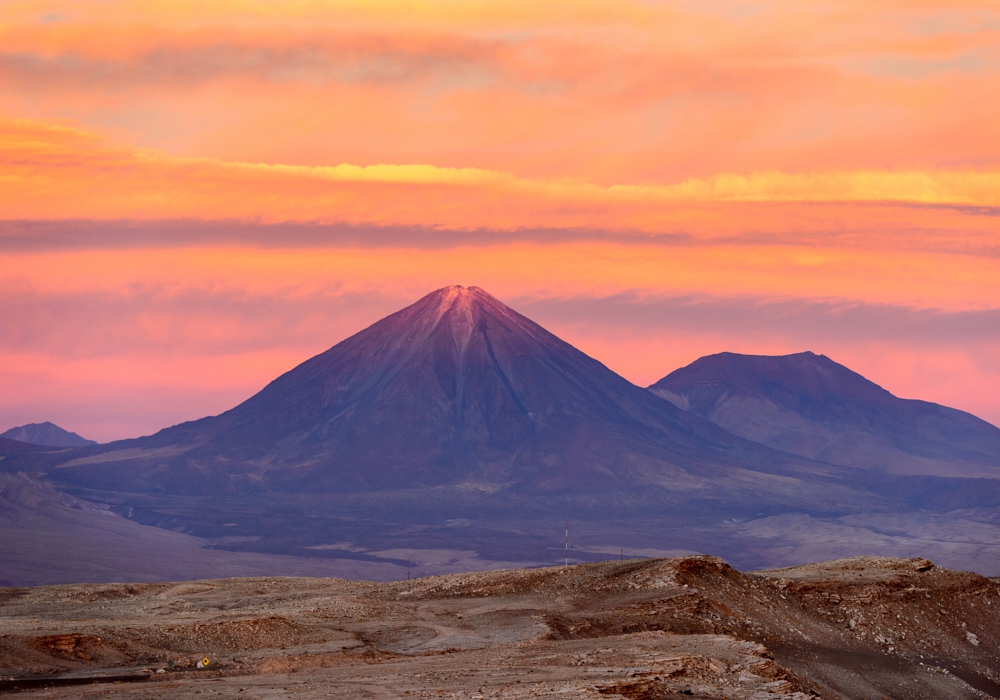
{"x":48,"y":434}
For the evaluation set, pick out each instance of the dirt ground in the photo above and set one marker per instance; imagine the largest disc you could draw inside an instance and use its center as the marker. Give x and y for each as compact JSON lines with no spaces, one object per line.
{"x":687,"y":627}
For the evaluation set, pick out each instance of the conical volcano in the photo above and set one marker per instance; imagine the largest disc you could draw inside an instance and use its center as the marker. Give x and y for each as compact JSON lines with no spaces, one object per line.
{"x":456,"y":389}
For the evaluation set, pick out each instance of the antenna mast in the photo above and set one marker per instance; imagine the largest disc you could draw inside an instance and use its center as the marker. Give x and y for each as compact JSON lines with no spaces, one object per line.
{"x":567,"y":543}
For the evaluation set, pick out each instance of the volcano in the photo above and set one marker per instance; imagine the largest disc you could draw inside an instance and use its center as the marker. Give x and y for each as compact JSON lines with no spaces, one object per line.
{"x":809,"y":405}
{"x":456,"y":389}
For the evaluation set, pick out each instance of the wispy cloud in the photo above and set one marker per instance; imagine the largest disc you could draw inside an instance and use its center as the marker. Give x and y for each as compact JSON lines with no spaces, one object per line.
{"x":213,"y":321}
{"x":919,"y":228}
{"x":809,"y":322}
{"x":350,"y":59}
{"x":57,"y":172}
{"x":601,"y":92}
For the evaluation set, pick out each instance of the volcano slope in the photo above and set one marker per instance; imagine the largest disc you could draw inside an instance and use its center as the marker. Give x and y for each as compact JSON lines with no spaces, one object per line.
{"x":639,"y":629}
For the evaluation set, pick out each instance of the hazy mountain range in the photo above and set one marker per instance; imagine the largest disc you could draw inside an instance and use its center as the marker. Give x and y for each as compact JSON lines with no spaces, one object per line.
{"x":458,"y":433}
{"x":46,"y":434}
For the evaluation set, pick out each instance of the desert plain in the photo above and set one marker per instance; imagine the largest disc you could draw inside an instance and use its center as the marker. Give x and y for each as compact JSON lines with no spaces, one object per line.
{"x":642,"y":629}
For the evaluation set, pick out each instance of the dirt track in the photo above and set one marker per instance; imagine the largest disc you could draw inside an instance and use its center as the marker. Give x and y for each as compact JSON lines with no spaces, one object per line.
{"x":643,"y":629}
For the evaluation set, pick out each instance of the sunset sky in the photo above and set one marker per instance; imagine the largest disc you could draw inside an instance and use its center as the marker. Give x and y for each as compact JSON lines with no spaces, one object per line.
{"x":197,"y":196}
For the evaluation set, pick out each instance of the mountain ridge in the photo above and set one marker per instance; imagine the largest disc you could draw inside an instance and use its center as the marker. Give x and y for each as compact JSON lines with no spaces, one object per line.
{"x":809,"y":405}
{"x":46,"y":434}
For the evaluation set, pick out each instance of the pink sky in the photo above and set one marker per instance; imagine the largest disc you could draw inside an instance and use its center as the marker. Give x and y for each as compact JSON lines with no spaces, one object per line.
{"x":195,"y":197}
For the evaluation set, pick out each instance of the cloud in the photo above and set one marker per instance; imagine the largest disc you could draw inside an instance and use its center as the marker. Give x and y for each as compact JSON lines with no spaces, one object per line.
{"x":191,"y":321}
{"x":348,"y":59}
{"x":87,"y":234}
{"x":195,"y":196}
{"x":39,"y":235}
{"x":808,"y":322}
{"x":205,"y":320}
{"x":629,"y":92}
{"x":57,"y":172}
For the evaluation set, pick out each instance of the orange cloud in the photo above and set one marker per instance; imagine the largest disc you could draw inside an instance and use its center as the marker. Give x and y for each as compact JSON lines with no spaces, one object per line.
{"x":601,"y":92}
{"x":59,"y":172}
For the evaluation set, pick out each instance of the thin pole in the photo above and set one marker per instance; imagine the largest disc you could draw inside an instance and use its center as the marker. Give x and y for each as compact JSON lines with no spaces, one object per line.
{"x":567,"y":543}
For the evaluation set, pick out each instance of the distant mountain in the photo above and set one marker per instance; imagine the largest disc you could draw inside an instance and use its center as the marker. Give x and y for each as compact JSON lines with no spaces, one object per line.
{"x":457,"y":389}
{"x":809,"y":405}
{"x":46,"y":434}
{"x":457,"y":430}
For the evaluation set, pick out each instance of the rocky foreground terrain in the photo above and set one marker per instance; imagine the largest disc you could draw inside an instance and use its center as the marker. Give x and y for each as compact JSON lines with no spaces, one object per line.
{"x":688,"y":627}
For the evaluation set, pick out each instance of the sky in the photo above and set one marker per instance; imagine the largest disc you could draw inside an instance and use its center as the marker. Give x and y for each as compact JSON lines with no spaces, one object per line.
{"x":197,"y":196}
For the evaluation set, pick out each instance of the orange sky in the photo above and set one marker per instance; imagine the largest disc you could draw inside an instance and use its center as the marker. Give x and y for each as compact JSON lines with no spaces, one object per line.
{"x":194,"y":197}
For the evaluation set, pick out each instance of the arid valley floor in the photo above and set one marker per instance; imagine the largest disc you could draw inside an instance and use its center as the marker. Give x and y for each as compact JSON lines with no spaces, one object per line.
{"x":639,"y":629}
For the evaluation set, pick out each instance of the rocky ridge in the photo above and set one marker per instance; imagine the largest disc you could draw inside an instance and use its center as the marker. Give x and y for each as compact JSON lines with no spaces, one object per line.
{"x":869,"y":627}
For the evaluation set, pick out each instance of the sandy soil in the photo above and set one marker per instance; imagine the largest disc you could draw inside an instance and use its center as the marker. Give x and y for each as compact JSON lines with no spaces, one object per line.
{"x":640,"y":629}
